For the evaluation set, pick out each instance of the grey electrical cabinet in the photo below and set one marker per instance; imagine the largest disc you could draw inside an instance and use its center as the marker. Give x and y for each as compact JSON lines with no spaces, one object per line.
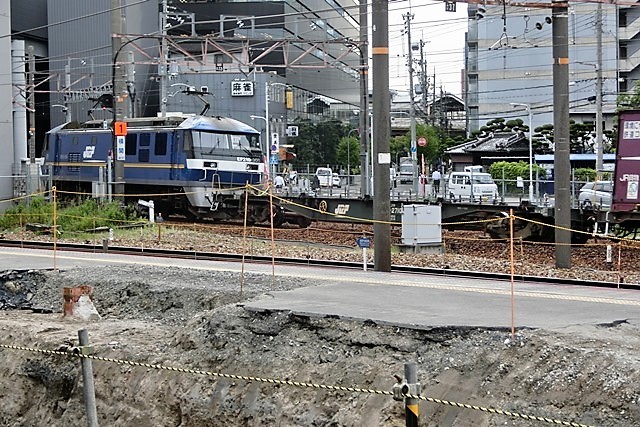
{"x":421,"y":225}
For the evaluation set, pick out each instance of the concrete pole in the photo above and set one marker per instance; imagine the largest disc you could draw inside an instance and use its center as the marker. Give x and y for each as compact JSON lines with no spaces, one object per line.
{"x":89,"y":392}
{"x":562,"y":164}
{"x":19,"y":111}
{"x":162,"y":68}
{"x":32,"y":104}
{"x":599,"y":147}
{"x":67,"y":84}
{"x":365,"y":189}
{"x":120,"y":94}
{"x":267,"y":129}
{"x":381,"y":135}
{"x":531,"y":200}
{"x":412,"y":108}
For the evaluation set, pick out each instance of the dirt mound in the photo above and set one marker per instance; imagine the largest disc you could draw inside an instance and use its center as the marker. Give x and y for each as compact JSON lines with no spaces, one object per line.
{"x":195,"y":320}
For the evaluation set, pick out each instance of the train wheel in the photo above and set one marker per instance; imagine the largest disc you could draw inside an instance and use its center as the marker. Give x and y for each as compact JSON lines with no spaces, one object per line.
{"x":303,"y":222}
{"x":278,"y":216}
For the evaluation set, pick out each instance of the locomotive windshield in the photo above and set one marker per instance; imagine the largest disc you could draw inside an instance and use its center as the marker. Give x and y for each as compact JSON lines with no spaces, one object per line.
{"x":207,"y":144}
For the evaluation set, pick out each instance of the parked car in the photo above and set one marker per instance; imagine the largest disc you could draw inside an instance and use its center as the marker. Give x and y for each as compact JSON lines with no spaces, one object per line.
{"x":336,"y":182}
{"x":596,"y":194}
{"x":324,"y":177}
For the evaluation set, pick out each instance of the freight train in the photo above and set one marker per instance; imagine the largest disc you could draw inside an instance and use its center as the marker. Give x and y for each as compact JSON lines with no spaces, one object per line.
{"x":196,"y":166}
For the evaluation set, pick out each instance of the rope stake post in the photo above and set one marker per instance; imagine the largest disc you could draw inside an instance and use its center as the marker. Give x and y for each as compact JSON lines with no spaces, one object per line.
{"x":55,"y":228}
{"x":273,"y":244}
{"x":411,"y":407}
{"x":244,"y":236}
{"x":87,"y":379}
{"x":513,"y":267}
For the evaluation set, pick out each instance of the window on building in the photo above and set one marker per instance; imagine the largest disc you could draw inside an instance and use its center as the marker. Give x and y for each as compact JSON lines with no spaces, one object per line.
{"x":622,"y":18}
{"x":623,"y":51}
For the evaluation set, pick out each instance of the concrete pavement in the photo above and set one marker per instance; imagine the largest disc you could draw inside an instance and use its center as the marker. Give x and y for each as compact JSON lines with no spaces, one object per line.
{"x":391,"y":298}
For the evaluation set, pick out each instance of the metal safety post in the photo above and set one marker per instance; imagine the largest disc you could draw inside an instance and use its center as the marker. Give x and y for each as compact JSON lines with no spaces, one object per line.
{"x":411,"y":408}
{"x":87,"y":379}
{"x":408,"y":387}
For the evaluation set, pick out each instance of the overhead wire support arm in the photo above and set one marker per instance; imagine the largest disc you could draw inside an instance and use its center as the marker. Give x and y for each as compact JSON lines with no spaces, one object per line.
{"x":210,"y":43}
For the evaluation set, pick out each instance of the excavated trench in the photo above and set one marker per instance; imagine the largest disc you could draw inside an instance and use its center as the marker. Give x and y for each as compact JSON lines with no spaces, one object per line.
{"x":195,"y":320}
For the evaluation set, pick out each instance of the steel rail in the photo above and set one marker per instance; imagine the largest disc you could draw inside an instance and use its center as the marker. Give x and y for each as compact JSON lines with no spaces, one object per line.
{"x":215,"y":256}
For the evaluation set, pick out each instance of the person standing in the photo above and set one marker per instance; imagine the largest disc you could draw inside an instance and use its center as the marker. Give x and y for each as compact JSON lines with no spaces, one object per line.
{"x":435,"y":178}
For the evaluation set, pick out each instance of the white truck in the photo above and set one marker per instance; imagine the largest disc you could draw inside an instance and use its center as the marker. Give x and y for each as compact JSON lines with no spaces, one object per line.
{"x":405,"y":170}
{"x":472,"y":184}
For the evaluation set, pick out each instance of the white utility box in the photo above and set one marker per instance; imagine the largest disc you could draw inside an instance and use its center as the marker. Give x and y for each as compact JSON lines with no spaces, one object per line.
{"x":422,"y":227}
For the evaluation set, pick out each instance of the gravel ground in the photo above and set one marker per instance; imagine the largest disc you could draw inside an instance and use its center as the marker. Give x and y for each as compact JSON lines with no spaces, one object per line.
{"x":463,"y":250}
{"x":193,"y":319}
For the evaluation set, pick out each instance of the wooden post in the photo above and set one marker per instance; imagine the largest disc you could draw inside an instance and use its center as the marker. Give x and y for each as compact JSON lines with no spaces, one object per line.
{"x":55,"y":228}
{"x":244,"y":235}
{"x":513,"y":328}
{"x":273,"y":245}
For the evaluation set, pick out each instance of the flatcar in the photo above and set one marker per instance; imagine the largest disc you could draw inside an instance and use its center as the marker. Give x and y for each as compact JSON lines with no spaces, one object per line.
{"x":189,"y":165}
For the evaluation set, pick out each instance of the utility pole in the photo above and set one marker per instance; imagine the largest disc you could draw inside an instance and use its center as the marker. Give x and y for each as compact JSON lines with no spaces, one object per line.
{"x":381,"y":135}
{"x":33,"y":171}
{"x":562,"y":165}
{"x":433,"y":104}
{"x":423,"y":77}
{"x":599,"y":144}
{"x":412,"y":108}
{"x":120,"y":95}
{"x":162,"y":69}
{"x":365,"y":184}
{"x":32,"y":104}
{"x":67,"y":84}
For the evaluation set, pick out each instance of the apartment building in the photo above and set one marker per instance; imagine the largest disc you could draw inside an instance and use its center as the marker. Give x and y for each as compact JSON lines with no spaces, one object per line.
{"x":509,"y":60}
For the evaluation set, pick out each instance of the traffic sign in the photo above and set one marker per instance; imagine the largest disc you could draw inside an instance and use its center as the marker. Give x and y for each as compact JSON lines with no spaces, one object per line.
{"x":275,"y":142}
{"x":422,"y":142}
{"x":273,"y":159}
{"x":364,"y":242}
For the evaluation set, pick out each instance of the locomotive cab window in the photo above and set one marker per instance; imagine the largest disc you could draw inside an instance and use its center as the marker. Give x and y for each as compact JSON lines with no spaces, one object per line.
{"x":160,"y":148}
{"x":131,"y":144}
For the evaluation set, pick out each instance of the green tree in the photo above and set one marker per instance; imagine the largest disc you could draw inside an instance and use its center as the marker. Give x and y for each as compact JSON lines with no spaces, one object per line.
{"x":400,"y":146}
{"x":630,"y":101}
{"x":349,"y":152}
{"x":317,"y":143}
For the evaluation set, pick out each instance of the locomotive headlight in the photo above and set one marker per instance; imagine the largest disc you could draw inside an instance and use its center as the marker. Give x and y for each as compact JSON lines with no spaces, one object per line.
{"x":251,"y":167}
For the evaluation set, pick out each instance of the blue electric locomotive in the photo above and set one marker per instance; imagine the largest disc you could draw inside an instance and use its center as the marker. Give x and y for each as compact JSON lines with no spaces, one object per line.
{"x":192,"y":165}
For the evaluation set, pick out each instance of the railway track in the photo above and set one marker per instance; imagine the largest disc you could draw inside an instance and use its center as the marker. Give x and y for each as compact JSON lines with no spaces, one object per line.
{"x":333,"y":264}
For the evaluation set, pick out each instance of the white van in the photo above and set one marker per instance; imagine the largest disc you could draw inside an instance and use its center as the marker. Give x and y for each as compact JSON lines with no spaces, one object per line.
{"x":471,"y":185}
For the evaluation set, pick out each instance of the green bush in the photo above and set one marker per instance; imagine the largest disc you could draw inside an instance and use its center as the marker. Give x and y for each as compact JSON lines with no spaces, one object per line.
{"x":512,"y":170}
{"x":87,"y":215}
